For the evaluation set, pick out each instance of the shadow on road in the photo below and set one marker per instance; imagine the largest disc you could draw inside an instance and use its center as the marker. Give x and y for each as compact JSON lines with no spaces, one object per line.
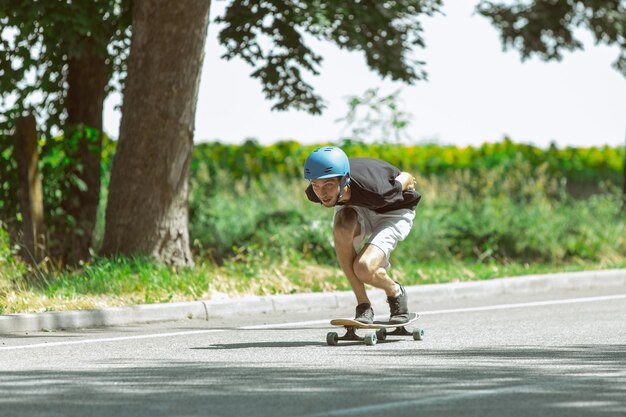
{"x":584,"y":355}
{"x":234,"y":346}
{"x":574,"y":380}
{"x":259,"y":345}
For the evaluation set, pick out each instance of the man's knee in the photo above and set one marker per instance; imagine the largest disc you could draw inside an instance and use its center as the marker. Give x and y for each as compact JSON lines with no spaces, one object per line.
{"x":346,"y":223}
{"x":367,"y":263}
{"x":363,"y":269}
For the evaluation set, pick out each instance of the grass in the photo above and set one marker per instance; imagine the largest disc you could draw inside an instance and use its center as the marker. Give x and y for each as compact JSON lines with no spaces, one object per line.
{"x":122,"y":281}
{"x":260,"y":238}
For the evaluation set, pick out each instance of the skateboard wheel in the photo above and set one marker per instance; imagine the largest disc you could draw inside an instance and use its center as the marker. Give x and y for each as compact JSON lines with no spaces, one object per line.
{"x":370,"y":339}
{"x":418,"y":334}
{"x":332,"y":338}
{"x":381,"y":334}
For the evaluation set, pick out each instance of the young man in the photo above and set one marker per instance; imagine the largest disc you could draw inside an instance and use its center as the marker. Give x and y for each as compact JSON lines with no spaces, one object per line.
{"x":372,"y":199}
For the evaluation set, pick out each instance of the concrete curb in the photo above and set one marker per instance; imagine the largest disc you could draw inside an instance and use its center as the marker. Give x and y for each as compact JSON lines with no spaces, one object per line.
{"x":217,"y":309}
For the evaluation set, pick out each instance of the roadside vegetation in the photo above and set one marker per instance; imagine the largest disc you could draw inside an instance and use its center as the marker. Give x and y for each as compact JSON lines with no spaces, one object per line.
{"x":257,"y":234}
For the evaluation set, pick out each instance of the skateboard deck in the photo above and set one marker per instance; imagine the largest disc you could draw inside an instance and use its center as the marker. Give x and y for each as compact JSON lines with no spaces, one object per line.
{"x":381,"y":327}
{"x":375,"y":325}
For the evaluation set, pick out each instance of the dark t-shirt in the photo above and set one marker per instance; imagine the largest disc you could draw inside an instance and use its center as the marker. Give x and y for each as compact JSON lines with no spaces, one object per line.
{"x":373,"y":185}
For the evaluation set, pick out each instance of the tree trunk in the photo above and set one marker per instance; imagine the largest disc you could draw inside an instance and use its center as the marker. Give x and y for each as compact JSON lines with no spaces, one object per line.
{"x":87,"y":79}
{"x":30,"y":189}
{"x":147,"y":212}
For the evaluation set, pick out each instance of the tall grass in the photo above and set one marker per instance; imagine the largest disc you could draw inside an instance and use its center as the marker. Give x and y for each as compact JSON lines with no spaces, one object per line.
{"x":503,"y":215}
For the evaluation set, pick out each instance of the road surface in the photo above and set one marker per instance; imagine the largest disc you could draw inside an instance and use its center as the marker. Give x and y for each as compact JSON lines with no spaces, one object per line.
{"x":551,"y":354}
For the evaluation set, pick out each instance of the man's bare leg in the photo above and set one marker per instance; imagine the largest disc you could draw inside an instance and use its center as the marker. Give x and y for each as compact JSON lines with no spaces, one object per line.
{"x":367,"y":268}
{"x":345,"y":229}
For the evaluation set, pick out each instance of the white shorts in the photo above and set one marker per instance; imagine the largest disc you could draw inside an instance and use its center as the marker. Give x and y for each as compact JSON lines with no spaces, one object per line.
{"x":383,"y":230}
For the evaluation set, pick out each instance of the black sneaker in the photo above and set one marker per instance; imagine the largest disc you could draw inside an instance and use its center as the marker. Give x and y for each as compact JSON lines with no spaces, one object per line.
{"x":399,"y":312}
{"x":364,"y":313}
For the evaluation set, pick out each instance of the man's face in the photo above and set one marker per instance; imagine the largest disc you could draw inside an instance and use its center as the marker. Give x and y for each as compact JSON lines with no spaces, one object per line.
{"x":327,"y":190}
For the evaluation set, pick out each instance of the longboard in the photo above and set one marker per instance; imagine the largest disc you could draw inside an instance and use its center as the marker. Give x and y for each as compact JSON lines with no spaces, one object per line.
{"x":381,"y":327}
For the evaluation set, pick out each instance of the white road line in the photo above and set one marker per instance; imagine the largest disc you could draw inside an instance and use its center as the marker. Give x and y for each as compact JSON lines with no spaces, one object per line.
{"x":526,"y":305}
{"x":318,"y":322}
{"x":281,"y":325}
{"x":461,"y":310}
{"x":111,"y":339}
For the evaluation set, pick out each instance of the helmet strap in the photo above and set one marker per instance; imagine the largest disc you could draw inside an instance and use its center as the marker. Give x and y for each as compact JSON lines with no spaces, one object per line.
{"x":343,"y":183}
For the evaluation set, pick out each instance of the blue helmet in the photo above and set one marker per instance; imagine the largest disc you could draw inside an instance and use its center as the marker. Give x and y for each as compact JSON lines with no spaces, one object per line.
{"x":326,"y":162}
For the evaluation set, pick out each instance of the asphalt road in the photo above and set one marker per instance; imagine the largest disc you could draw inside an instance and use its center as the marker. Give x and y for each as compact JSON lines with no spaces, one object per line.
{"x":553,"y":354}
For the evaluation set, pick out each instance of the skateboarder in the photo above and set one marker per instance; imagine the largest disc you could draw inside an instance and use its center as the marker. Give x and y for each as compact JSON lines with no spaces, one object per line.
{"x":372,"y":200}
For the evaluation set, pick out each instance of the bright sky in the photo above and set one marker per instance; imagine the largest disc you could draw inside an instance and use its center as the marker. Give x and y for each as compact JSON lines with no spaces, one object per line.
{"x":476,"y":92}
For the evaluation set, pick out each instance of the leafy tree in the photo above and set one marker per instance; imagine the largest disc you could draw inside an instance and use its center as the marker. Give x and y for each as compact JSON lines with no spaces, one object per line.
{"x":57,"y":61}
{"x":147,"y":211}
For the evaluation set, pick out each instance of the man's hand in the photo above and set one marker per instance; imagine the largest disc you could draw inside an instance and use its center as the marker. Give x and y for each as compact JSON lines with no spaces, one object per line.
{"x":407,"y":180}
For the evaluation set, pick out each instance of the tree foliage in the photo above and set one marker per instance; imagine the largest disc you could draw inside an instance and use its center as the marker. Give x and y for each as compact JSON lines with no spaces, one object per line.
{"x":546,"y":28}
{"x":39,"y":38}
{"x":271,"y":35}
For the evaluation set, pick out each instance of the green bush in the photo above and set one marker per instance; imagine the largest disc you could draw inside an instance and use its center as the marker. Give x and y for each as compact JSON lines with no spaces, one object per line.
{"x":255,"y":220}
{"x":511,"y":214}
{"x":11,"y":268}
{"x":580,"y":166}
